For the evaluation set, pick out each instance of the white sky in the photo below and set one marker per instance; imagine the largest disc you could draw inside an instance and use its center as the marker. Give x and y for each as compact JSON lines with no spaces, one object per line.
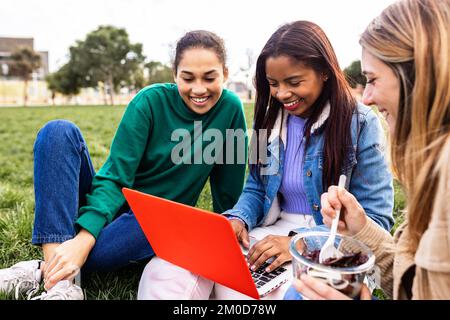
{"x":157,"y":24}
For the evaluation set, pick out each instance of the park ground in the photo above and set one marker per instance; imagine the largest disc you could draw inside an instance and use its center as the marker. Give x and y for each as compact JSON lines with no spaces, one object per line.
{"x":18,"y":129}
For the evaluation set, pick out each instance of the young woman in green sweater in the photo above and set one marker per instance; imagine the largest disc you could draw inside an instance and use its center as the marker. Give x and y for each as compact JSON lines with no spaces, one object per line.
{"x":81,"y":218}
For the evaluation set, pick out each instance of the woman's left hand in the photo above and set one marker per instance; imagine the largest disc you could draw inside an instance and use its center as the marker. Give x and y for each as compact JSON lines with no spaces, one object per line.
{"x":68,"y":259}
{"x":314,"y":289}
{"x":270,"y":246}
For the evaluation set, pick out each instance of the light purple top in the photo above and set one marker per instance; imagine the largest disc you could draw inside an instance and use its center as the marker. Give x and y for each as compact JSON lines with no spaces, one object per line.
{"x":293,"y":196}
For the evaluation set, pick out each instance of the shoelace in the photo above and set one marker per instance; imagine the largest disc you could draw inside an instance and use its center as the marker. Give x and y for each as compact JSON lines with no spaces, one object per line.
{"x":18,"y":284}
{"x":31,"y":292}
{"x":55,"y":293}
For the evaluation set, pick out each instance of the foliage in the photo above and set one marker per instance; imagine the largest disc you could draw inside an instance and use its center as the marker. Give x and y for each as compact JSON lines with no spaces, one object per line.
{"x":158,"y":72}
{"x":399,"y":205}
{"x":107,"y":60}
{"x":67,"y":80}
{"x":24,"y":62}
{"x":137,"y":80}
{"x":354,"y":75}
{"x":107,"y":56}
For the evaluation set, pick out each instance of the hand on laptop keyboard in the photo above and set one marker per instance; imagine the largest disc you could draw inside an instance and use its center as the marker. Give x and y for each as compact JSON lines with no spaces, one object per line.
{"x":261,"y":277}
{"x":271,"y":247}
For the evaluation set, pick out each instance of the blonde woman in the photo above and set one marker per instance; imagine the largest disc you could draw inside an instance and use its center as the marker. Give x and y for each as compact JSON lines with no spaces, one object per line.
{"x":406,"y":61}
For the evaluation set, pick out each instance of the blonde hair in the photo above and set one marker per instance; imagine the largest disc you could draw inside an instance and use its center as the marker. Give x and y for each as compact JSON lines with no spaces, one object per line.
{"x":412,"y":38}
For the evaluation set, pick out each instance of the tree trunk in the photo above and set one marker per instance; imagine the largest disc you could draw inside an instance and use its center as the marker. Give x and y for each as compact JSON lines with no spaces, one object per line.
{"x":25,"y":92}
{"x":105,"y":98}
{"x":105,"y":101}
{"x":111,"y":89}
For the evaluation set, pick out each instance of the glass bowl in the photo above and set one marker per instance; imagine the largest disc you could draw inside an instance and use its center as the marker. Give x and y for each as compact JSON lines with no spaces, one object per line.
{"x":348,"y":279}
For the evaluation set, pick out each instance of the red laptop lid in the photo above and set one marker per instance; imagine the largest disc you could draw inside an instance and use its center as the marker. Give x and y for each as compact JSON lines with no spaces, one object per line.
{"x":200,"y":241}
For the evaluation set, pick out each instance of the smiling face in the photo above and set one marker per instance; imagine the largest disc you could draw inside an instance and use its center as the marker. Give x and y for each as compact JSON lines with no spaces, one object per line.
{"x":200,"y":78}
{"x":293,"y":84}
{"x":382,"y":88}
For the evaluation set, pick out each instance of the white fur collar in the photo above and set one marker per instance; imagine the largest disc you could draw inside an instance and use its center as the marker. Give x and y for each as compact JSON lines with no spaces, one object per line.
{"x":283,"y":123}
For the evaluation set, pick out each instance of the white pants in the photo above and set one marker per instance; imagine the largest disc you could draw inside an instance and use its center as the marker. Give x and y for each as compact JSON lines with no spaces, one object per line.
{"x":161,"y":280}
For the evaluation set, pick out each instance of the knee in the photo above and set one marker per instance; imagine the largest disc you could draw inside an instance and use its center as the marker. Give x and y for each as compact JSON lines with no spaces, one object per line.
{"x":162,"y":280}
{"x":57,"y":133}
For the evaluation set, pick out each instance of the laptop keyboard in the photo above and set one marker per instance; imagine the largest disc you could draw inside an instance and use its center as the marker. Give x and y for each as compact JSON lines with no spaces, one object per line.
{"x":261,"y":277}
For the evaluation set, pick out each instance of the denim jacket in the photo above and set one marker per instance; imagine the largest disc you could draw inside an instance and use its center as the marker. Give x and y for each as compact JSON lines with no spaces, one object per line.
{"x":368,"y":175}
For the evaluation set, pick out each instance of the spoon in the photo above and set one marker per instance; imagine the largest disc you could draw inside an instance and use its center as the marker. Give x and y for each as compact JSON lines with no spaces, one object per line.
{"x":329,"y":250}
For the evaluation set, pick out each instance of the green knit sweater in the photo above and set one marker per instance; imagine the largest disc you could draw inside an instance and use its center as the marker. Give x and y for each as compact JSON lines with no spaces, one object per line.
{"x":141,"y":155}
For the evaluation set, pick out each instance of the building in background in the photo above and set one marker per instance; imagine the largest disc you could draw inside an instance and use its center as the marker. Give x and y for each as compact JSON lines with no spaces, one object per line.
{"x":241,"y":83}
{"x":9,"y":45}
{"x":11,"y":87}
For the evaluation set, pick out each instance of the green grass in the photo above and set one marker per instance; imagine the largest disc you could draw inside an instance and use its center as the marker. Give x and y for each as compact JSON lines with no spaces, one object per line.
{"x":18,"y":129}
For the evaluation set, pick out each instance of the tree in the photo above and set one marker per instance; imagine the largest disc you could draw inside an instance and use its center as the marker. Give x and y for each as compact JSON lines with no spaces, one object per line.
{"x":137,"y":80}
{"x":24,"y":62}
{"x":67,"y":80}
{"x":354,"y":75}
{"x":107,"y":56}
{"x":158,"y":72}
{"x":52,"y":85}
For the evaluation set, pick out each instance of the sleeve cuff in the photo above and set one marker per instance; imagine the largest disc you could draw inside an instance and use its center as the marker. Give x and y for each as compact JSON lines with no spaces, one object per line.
{"x":231,"y":217}
{"x":92,"y":222}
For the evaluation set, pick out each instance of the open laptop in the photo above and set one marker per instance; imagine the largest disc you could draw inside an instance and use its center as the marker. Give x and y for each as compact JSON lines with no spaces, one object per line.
{"x":202,"y":242}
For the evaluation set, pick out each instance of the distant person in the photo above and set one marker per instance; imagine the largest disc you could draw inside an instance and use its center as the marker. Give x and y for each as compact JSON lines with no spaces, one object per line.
{"x":81,"y":218}
{"x":316,"y":132}
{"x":405,"y":57}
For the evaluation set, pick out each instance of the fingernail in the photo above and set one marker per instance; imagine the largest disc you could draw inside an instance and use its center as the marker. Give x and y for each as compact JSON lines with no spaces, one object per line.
{"x":267,"y":269}
{"x":253,"y":268}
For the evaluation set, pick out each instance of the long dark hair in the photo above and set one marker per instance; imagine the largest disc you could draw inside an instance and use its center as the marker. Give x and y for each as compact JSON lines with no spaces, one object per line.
{"x":306,"y":42}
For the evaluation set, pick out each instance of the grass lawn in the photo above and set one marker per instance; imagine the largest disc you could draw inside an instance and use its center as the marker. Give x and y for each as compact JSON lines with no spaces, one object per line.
{"x":18,"y":129}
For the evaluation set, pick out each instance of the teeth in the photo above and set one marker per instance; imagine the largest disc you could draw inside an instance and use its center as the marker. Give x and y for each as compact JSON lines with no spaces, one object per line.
{"x":290,"y":104}
{"x":199,"y":100}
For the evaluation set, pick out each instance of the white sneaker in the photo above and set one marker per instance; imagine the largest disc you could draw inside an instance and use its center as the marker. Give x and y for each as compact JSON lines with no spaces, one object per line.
{"x":63,"y":290}
{"x":22,"y":278}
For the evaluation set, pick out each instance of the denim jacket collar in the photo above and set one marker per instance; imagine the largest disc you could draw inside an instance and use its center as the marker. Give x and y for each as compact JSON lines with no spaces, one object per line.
{"x":281,"y":124}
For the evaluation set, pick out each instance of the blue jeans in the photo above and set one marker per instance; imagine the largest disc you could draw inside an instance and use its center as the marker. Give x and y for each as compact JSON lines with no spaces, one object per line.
{"x":63,"y":174}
